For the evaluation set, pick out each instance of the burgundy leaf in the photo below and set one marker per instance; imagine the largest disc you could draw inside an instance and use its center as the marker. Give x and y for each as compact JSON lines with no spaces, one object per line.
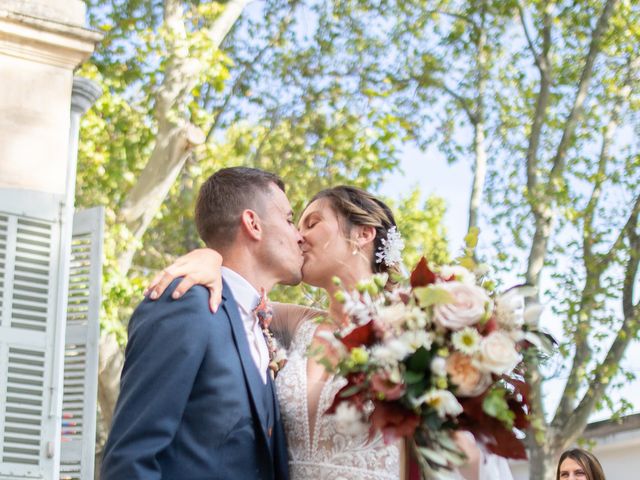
{"x":359,"y":336}
{"x":422,"y":275}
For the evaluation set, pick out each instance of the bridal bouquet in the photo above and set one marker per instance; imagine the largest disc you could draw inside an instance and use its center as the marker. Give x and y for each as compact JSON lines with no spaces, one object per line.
{"x":438,"y":353}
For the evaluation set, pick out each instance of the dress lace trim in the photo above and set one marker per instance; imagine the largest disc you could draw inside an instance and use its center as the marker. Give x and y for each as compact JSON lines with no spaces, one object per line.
{"x":329,"y":454}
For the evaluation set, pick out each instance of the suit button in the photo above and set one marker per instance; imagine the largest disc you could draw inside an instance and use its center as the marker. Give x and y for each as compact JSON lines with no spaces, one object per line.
{"x":269,"y":431}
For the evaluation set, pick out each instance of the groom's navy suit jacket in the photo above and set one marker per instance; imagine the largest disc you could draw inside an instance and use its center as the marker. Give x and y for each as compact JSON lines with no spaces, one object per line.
{"x":192,"y":405}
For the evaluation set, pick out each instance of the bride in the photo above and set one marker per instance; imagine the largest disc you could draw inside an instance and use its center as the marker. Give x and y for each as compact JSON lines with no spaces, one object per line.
{"x":342,"y":229}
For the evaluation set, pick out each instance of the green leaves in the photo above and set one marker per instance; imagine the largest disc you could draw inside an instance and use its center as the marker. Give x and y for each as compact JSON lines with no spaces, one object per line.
{"x":307,"y":131}
{"x":495,"y":405}
{"x":419,"y":361}
{"x":432,"y":295}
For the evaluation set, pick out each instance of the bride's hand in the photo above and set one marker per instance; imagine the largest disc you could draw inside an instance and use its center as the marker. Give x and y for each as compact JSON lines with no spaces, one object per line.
{"x":198,"y":267}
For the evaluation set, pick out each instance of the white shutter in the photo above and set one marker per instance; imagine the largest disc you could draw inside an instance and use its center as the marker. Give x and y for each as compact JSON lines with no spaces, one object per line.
{"x":81,"y":347}
{"x":29,"y":257}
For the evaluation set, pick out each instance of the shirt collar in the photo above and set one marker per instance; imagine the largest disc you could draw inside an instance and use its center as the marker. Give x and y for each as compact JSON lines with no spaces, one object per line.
{"x":245,"y":295}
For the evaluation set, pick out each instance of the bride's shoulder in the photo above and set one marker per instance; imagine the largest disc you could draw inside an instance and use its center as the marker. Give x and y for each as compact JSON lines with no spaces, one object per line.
{"x":287,"y":319}
{"x":305,"y":332}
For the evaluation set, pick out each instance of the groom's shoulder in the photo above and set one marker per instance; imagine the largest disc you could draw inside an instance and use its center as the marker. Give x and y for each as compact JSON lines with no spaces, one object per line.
{"x":192,"y":307}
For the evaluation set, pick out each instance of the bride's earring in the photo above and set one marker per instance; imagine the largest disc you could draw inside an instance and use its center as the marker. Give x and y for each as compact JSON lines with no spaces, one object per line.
{"x":356,"y":247}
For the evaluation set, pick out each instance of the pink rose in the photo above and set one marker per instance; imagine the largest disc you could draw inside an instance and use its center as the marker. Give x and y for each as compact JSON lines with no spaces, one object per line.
{"x":390,"y":390}
{"x":470,"y":381}
{"x":466,"y":308}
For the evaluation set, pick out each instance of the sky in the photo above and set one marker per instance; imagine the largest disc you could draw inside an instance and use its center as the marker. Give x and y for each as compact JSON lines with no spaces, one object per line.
{"x":430,"y":171}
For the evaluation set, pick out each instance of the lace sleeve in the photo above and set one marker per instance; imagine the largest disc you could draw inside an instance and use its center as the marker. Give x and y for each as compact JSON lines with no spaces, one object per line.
{"x":286,"y":319}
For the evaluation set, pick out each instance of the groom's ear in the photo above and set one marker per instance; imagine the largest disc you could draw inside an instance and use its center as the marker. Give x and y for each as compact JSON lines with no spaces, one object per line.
{"x":251,"y":225}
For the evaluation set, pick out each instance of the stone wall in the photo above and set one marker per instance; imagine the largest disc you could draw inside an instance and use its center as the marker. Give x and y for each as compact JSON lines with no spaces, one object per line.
{"x":41,"y":43}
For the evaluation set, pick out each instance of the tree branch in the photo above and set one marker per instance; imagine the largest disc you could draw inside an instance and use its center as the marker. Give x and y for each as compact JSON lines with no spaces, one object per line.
{"x":633,"y":64}
{"x":455,"y":15}
{"x":594,"y":271}
{"x":462,"y":101}
{"x":175,"y":138}
{"x":581,"y":94}
{"x":539,"y":116}
{"x":480,"y":161}
{"x":542,"y":210}
{"x":248,"y":68}
{"x":221,"y":27}
{"x":527,"y":35}
{"x":275,"y":117}
{"x":628,"y":331}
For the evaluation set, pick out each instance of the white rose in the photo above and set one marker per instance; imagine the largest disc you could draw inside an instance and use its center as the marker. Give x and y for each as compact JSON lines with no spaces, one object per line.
{"x":466,"y":308}
{"x":391,"y":352}
{"x":416,"y":319}
{"x":399,"y":348}
{"x":458,"y":273}
{"x":498,"y":353}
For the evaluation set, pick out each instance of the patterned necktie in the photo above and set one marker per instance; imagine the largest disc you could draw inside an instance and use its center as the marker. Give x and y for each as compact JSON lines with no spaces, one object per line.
{"x":264,"y":314}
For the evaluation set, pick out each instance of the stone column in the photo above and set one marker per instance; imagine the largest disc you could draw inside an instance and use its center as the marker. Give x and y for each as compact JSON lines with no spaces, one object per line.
{"x":84,"y":94}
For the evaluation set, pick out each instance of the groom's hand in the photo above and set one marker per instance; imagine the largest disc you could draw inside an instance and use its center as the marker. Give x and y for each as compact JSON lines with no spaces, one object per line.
{"x":198,"y":267}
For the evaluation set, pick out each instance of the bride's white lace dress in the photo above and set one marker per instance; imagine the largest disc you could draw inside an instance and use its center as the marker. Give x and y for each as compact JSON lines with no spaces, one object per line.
{"x":317,"y":451}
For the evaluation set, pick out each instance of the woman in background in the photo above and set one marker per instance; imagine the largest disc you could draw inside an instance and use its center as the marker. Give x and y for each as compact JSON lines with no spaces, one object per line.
{"x":578,"y":464}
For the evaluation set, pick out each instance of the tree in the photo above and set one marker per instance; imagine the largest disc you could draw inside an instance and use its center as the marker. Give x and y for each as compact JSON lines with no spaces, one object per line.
{"x":544,"y":97}
{"x":185,"y":94}
{"x":574,"y":159}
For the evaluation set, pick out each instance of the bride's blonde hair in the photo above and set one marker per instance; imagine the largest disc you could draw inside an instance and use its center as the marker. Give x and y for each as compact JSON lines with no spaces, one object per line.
{"x":357,"y":207}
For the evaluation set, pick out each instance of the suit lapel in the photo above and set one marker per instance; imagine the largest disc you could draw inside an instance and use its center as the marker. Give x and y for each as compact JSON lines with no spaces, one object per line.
{"x":251,"y":374}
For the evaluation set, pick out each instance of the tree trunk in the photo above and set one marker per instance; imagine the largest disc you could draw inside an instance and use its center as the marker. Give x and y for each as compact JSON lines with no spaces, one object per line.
{"x":479,"y":175}
{"x":480,"y":153}
{"x":109,"y":367}
{"x":175,"y":140}
{"x":543,"y":462}
{"x":176,"y":137}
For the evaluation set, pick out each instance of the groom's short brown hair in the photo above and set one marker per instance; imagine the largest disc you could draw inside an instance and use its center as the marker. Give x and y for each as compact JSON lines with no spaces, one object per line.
{"x":224,"y":196}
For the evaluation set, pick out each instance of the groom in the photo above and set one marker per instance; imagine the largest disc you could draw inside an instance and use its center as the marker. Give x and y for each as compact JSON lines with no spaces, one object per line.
{"x":196,"y":399}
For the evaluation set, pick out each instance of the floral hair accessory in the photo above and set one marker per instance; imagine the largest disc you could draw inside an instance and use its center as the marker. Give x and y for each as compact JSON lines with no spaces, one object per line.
{"x":390,"y":252}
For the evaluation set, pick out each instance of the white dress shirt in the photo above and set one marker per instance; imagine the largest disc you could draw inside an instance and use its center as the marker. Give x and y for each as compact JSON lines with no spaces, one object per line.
{"x":247,"y":298}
